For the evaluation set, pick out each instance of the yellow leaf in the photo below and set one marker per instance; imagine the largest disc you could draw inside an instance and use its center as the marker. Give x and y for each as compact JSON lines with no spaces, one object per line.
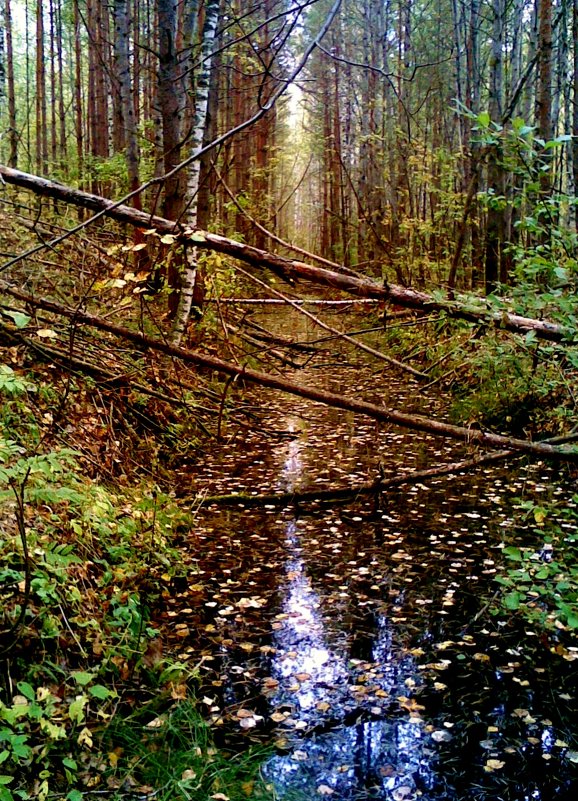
{"x":85,"y":738}
{"x":493,"y":764}
{"x":168,"y":239}
{"x":46,"y":333}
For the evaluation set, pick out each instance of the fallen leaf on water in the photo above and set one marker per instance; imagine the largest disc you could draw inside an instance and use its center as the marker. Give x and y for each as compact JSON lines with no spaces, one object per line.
{"x":402,"y":793}
{"x":324,"y":789}
{"x":441,"y":736}
{"x":493,"y":764}
{"x":279,"y":717}
{"x":481,"y":657}
{"x":409,"y":704}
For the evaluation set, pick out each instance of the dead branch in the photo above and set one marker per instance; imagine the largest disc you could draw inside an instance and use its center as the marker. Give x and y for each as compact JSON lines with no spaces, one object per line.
{"x":289,"y":269}
{"x":374,"y":488}
{"x":410,"y":421}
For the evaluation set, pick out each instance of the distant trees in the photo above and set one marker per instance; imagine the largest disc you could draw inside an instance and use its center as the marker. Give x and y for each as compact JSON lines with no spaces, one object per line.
{"x":415,"y":114}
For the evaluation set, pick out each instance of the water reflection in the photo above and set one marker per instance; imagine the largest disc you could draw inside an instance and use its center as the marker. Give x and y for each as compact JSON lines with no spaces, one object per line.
{"x":343,"y":731}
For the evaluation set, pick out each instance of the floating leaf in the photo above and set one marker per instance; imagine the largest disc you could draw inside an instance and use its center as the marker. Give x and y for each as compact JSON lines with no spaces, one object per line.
{"x":46,"y":333}
{"x":493,"y":764}
{"x":168,"y":239}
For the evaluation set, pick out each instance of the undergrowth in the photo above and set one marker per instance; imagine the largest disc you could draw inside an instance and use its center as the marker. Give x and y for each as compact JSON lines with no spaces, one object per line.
{"x":84,"y":571}
{"x":540,"y":574}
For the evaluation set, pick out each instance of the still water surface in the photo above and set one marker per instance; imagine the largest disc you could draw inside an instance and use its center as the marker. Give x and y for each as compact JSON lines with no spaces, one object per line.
{"x":360,"y":638}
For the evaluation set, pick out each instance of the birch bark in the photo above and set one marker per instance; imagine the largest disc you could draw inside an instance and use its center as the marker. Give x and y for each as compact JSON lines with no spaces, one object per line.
{"x":201,"y":105}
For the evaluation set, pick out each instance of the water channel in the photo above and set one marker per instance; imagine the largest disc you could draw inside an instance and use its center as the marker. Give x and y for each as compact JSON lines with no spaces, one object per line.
{"x":360,"y":638}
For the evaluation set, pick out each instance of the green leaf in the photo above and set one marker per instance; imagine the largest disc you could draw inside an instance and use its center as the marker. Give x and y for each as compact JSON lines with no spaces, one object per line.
{"x":6,"y":779}
{"x":513,"y":553}
{"x":82,"y":677}
{"x":197,"y":237}
{"x":99,"y":691}
{"x":530,"y":337}
{"x":74,"y":795}
{"x":512,"y":600}
{"x":21,"y":320}
{"x":484,"y":119}
{"x":27,"y":690}
{"x":76,"y":709}
{"x":69,"y":763}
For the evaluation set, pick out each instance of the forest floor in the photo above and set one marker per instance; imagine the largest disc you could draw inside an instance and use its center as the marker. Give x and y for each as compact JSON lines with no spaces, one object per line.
{"x":171,"y":649}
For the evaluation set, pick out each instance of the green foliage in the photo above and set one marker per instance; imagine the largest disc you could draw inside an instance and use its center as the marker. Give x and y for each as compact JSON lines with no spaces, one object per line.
{"x":82,"y":568}
{"x":510,"y":385}
{"x":540,"y":578}
{"x":174,"y":752}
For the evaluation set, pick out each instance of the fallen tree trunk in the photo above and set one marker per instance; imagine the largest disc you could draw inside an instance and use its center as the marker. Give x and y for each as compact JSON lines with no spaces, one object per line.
{"x":410,"y":421}
{"x":374,"y":488}
{"x":289,"y":269}
{"x":351,"y":493}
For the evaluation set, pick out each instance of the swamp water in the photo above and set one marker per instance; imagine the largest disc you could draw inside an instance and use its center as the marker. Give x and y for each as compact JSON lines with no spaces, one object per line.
{"x":359,"y":638}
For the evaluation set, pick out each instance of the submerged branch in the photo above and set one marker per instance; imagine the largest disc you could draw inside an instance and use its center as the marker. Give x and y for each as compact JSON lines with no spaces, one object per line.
{"x":374,"y":488}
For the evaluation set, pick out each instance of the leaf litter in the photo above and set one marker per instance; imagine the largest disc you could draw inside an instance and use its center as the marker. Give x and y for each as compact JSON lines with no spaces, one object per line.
{"x":327,"y":628}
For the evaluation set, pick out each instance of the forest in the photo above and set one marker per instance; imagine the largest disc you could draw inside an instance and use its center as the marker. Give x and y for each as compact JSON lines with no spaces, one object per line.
{"x":288,"y":382}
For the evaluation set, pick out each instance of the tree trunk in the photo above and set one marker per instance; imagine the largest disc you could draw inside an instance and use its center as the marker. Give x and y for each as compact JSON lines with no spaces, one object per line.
{"x":170,"y":111}
{"x":78,"y":110}
{"x":282,"y":266}
{"x":192,"y":280}
{"x":123,"y":74}
{"x":575,"y":105}
{"x":496,"y":183}
{"x":41,"y":126}
{"x":12,"y":122}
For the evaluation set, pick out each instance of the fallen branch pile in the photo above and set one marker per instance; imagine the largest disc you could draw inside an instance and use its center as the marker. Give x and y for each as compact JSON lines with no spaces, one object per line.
{"x":410,"y":421}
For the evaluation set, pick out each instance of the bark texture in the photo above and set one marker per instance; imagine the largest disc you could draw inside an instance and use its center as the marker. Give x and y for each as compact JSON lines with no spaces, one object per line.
{"x":384,"y":414}
{"x":288,"y":268}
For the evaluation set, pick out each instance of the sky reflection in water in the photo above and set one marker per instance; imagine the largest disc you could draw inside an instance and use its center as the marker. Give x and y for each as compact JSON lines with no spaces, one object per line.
{"x":367,"y":756}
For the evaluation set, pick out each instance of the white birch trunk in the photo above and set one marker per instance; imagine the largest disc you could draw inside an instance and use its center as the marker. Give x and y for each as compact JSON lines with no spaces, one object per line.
{"x":201,"y":106}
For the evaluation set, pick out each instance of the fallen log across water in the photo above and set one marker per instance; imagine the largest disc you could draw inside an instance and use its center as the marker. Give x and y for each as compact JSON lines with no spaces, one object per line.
{"x":289,"y":269}
{"x":410,"y":421}
{"x":374,"y":488}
